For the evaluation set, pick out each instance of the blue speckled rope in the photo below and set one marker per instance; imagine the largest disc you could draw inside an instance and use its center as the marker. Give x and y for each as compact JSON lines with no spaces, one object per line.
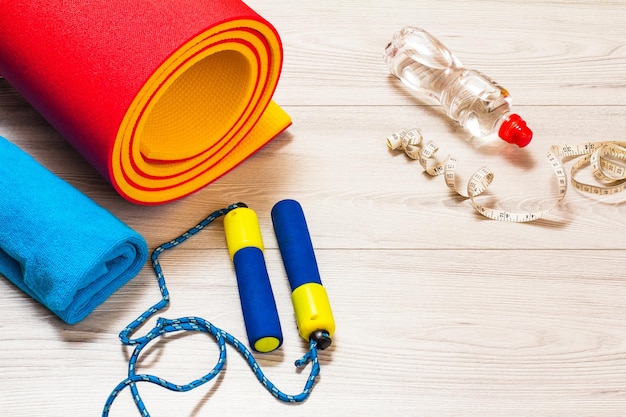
{"x":164,"y":326}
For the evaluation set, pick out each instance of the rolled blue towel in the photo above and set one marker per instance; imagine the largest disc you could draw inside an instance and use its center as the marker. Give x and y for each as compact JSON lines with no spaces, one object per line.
{"x":56,"y":244}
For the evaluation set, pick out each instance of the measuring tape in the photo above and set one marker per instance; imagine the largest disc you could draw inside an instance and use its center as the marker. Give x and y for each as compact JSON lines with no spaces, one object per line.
{"x":608,"y":165}
{"x":606,"y":159}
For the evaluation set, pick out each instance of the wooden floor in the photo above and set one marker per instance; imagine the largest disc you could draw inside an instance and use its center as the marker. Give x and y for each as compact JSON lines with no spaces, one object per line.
{"x":439,"y":311}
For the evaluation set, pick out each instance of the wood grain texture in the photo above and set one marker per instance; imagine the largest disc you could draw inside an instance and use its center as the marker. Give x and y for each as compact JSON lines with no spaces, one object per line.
{"x":440,"y":312}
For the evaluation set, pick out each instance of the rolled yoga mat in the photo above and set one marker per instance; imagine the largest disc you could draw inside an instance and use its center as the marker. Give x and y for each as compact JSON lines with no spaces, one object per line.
{"x":56,"y":244}
{"x":161,"y":97}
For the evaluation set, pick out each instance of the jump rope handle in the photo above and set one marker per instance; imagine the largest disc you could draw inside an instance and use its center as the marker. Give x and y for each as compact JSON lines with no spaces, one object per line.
{"x":245,"y":246}
{"x":314,"y":316}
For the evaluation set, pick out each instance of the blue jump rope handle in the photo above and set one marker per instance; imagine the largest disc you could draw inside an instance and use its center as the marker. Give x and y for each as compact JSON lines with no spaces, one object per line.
{"x":314,"y":316}
{"x":295,"y":244}
{"x":243,"y":236}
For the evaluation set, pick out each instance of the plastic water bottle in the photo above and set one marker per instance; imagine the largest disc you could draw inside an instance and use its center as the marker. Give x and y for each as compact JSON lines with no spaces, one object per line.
{"x":469,"y":97}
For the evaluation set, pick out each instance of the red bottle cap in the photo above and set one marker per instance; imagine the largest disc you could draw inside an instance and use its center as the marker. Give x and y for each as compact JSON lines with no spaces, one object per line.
{"x":514,"y":130}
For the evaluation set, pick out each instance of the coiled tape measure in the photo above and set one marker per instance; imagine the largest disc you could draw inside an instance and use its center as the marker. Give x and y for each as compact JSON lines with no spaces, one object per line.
{"x":310,"y":301}
{"x":607,"y":160}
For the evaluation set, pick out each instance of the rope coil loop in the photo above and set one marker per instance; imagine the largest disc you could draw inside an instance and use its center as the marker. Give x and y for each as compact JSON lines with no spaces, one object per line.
{"x":196,"y":324}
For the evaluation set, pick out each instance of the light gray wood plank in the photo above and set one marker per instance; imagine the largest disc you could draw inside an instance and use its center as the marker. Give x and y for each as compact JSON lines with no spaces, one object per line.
{"x":420,"y":332}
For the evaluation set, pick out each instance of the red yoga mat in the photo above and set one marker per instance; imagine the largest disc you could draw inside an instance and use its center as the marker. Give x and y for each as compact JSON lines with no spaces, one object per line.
{"x":161,"y":97}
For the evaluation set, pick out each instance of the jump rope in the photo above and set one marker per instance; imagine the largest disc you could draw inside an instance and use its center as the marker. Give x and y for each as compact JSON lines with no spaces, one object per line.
{"x":245,"y":245}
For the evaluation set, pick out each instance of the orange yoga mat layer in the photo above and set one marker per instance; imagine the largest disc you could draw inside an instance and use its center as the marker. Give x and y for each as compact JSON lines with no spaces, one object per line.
{"x":161,"y":97}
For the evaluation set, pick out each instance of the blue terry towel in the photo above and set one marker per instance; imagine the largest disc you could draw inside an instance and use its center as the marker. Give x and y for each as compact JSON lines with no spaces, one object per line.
{"x":56,"y":244}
